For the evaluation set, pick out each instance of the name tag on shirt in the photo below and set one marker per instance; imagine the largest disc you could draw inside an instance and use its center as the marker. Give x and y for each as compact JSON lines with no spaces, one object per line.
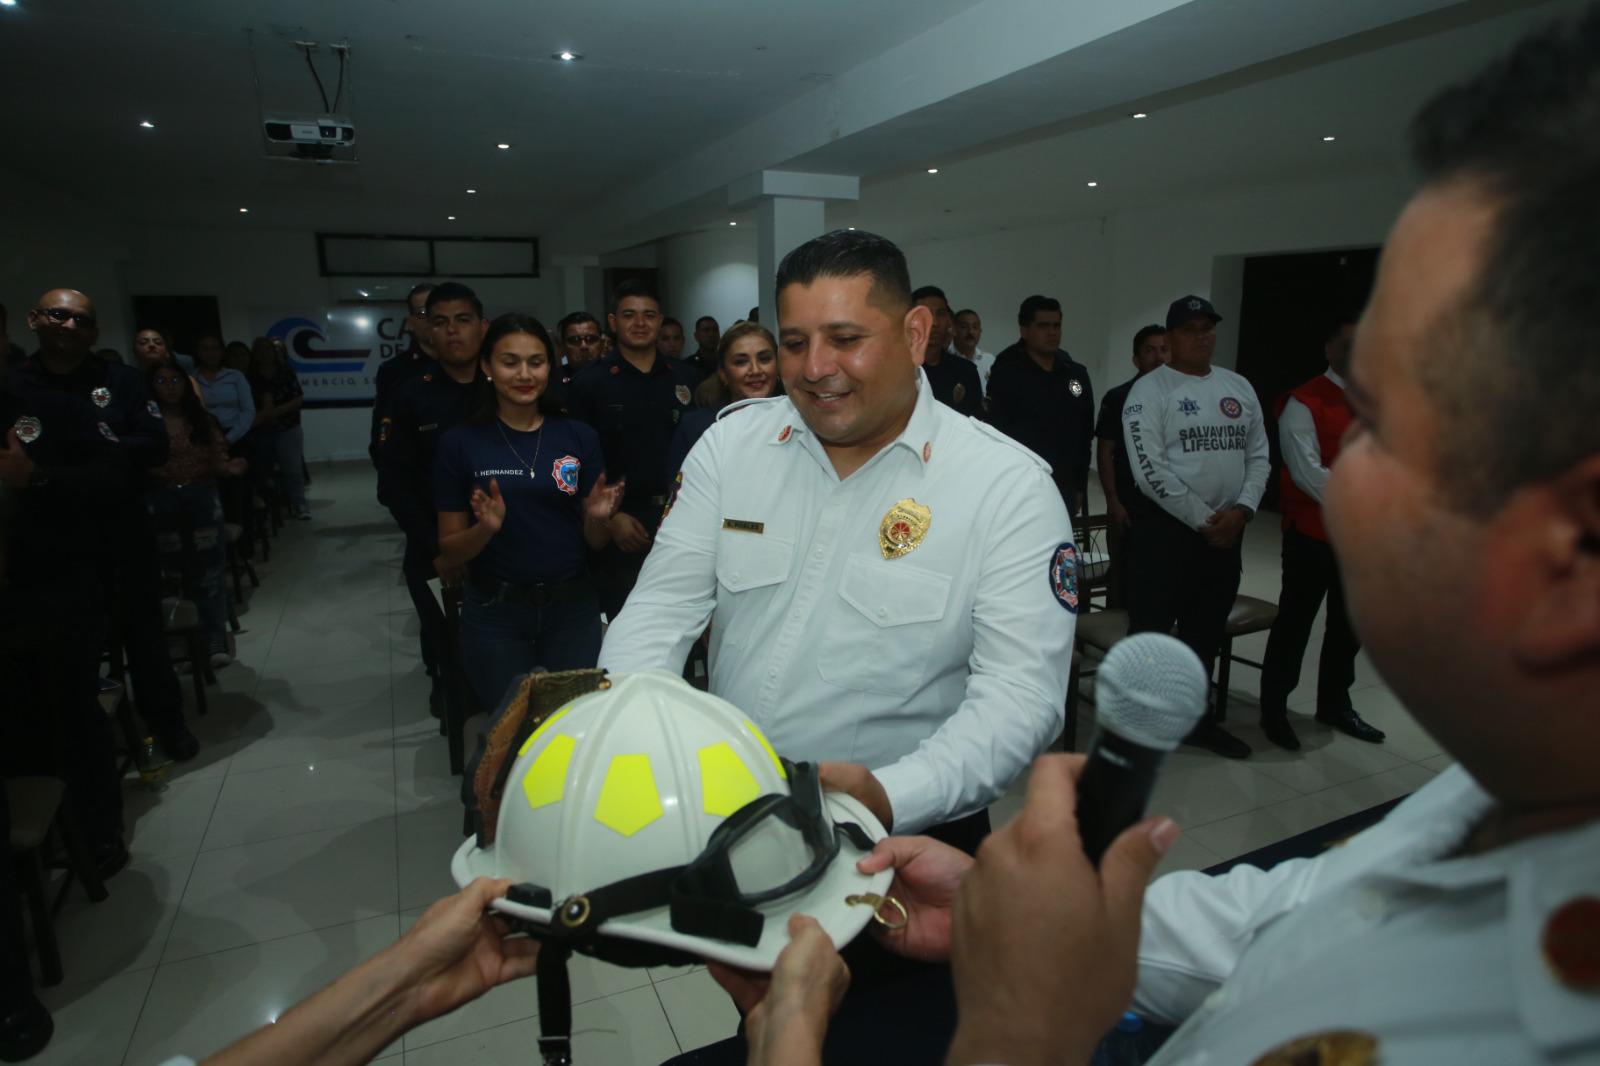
{"x":739,"y":525}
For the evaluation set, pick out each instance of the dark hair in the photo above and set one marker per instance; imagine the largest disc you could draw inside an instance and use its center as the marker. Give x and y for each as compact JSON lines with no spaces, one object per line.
{"x":665,"y":322}
{"x":1145,"y":333}
{"x":203,"y":428}
{"x":1520,"y":387}
{"x":484,"y":405}
{"x":421,"y":286}
{"x":706,"y":318}
{"x":576,"y":318}
{"x":449,"y":292}
{"x":754,"y":315}
{"x":1033,"y":305}
{"x":925,"y":291}
{"x":848,"y":253}
{"x":969,"y":311}
{"x":1337,"y":323}
{"x":635,"y":287}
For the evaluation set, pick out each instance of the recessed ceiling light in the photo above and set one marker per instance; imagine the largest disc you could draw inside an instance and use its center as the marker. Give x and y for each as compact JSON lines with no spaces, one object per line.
{"x":1327,"y":138}
{"x":8,"y":3}
{"x":244,"y":210}
{"x":1091,"y":184}
{"x":849,"y":227}
{"x":1140,"y":114}
{"x":145,"y":125}
{"x":449,"y":218}
{"x":566,"y":56}
{"x":471,"y":192}
{"x":363,"y":292}
{"x":733,"y":223}
{"x":502,"y":146}
{"x":933,"y":170}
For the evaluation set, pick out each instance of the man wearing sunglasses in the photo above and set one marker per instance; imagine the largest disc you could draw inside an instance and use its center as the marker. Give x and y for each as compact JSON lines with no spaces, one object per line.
{"x":579,"y":334}
{"x":117,"y":400}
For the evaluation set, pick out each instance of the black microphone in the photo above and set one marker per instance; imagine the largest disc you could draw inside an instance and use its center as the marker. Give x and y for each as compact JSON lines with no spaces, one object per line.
{"x":1149,"y":693}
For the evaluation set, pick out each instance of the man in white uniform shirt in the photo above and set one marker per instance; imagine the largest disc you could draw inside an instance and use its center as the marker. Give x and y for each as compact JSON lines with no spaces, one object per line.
{"x":1198,"y":448}
{"x":891,"y":587}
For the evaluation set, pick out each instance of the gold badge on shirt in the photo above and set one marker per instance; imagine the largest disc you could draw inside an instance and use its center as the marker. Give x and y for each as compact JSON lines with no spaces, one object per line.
{"x":1340,"y":1047}
{"x":903,"y":528}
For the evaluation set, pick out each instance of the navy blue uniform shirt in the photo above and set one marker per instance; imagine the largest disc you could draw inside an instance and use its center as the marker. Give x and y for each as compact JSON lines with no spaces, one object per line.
{"x":113,"y":393}
{"x":420,"y":411}
{"x":636,"y":415}
{"x":388,"y":378}
{"x":1050,"y":412}
{"x":56,"y":521}
{"x":956,"y":383}
{"x":544,"y":477}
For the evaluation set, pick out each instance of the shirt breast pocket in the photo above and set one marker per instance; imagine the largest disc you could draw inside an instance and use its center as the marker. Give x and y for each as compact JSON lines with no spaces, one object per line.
{"x":751,"y":567}
{"x":881,"y":632}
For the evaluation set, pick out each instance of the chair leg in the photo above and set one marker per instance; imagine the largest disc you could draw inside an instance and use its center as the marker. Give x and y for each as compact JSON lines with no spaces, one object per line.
{"x":250,"y":571}
{"x":201,"y":663}
{"x":78,"y":853}
{"x":235,"y":569}
{"x":1224,"y":673}
{"x":30,"y":871}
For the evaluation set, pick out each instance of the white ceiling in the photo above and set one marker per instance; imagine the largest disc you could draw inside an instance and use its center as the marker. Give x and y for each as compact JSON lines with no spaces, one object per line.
{"x":1256,"y":127}
{"x":1239,"y":91}
{"x":434,"y":86}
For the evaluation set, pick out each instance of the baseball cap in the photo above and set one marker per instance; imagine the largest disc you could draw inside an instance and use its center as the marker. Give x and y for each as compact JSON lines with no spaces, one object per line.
{"x":1186,"y":307}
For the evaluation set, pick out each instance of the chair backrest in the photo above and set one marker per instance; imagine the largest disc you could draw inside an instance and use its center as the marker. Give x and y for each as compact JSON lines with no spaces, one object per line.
{"x":181,"y":564}
{"x":1094,"y":560}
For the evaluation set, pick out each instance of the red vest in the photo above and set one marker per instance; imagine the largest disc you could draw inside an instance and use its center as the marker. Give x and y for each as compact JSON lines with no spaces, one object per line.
{"x":1331,"y":415}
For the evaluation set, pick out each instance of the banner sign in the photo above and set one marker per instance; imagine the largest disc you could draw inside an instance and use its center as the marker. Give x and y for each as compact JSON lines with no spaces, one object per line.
{"x":337,"y":350}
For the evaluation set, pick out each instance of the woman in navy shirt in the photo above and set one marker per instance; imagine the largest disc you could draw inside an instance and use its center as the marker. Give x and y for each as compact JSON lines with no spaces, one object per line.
{"x":521,"y":493}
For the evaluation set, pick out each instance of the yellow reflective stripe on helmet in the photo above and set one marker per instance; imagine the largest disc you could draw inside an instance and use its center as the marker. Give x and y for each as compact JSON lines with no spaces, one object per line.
{"x":544,"y":725}
{"x":776,"y":762}
{"x":725,"y":781}
{"x":628,"y":800}
{"x":546,"y":780}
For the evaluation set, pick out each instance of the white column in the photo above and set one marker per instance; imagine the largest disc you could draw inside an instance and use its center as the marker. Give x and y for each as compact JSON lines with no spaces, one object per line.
{"x":789,"y":212}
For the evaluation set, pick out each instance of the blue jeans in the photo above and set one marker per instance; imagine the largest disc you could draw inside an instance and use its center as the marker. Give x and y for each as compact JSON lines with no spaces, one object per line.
{"x":278,"y":448}
{"x":502,"y":641}
{"x":200,"y":500}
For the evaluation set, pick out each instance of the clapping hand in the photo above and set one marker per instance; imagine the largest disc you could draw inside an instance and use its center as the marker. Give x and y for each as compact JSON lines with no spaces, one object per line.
{"x":603,"y":500}
{"x":489,"y":508}
{"x":15,"y":464}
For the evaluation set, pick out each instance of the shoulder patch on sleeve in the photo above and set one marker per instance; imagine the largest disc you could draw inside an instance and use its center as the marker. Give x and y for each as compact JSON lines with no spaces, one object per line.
{"x":1064,"y":575}
{"x":994,"y":434}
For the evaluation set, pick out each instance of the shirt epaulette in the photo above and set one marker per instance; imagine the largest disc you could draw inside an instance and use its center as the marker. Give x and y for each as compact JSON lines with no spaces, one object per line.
{"x":740,"y":405}
{"x":994,"y":434}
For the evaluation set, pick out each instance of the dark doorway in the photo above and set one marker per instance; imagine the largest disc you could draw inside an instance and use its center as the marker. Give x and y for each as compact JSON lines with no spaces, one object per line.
{"x":1288,"y":305}
{"x":184,"y":319}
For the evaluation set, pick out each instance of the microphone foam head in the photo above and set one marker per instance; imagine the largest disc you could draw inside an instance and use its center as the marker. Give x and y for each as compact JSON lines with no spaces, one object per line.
{"x":1151,"y":689}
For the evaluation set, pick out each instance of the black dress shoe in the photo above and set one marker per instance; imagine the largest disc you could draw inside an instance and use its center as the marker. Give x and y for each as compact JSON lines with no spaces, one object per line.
{"x":181,"y":744}
{"x":25,"y":1031}
{"x":110,"y":857}
{"x":1281,"y":733}
{"x":1347,"y":721}
{"x":1215,"y":739}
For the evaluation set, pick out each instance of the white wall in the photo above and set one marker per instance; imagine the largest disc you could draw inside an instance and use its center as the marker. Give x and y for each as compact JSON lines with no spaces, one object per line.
{"x":1112,"y":275}
{"x":709,"y":274}
{"x":54,"y":240}
{"x":995,"y":272}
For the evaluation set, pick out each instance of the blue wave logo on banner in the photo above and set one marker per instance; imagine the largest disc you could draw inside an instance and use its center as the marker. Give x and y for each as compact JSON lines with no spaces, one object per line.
{"x":303,"y":338}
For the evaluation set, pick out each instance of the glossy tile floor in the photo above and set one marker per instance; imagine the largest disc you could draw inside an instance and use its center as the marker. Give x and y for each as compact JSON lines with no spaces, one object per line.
{"x":318,"y":821}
